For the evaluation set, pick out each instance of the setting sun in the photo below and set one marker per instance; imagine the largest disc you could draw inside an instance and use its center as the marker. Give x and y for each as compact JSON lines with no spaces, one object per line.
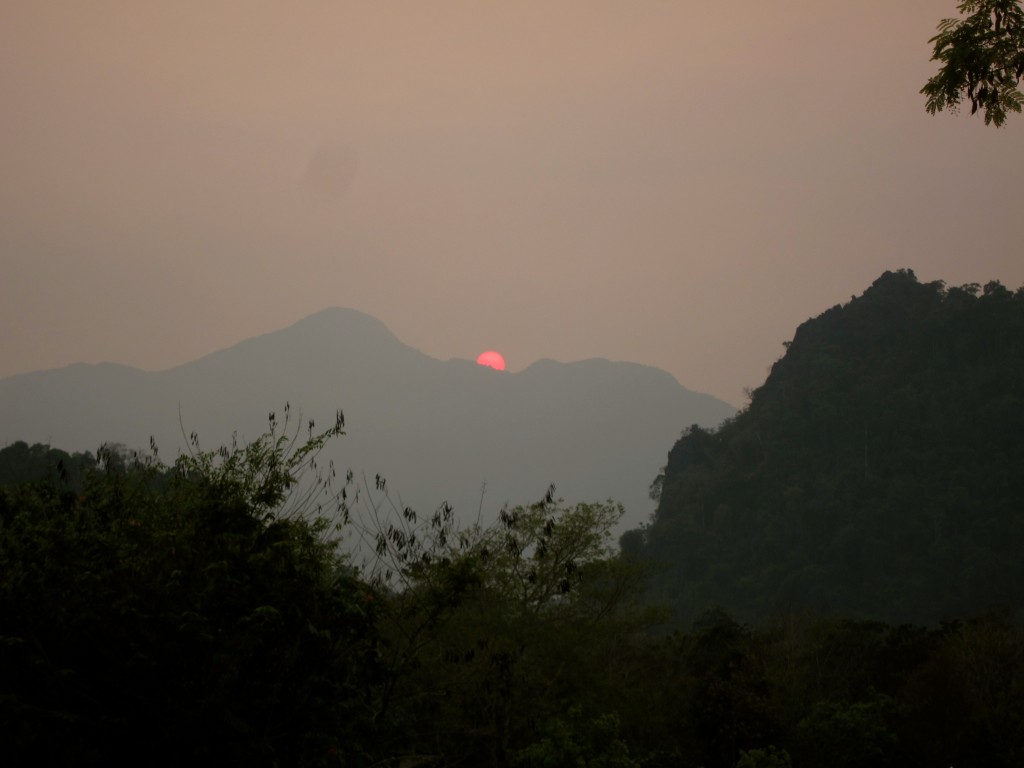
{"x":492,"y":359}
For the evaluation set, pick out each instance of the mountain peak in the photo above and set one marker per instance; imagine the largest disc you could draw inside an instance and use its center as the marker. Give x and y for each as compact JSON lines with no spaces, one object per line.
{"x":336,"y":315}
{"x":597,"y":429}
{"x":343,"y":321}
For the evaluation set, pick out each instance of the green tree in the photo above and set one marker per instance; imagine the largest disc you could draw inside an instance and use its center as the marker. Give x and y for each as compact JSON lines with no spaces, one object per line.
{"x":982,"y":58}
{"x":572,"y":742}
{"x":177,"y":615}
{"x":490,"y":635}
{"x":849,"y":734}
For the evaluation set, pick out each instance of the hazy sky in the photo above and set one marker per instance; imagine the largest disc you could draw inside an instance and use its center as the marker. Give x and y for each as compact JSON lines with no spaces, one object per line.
{"x":672,"y":183}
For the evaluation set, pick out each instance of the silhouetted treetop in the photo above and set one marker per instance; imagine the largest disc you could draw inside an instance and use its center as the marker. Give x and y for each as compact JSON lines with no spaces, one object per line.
{"x":982,"y":58}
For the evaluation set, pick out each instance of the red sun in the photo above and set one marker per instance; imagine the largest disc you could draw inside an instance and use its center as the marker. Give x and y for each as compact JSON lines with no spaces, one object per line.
{"x":492,"y":359}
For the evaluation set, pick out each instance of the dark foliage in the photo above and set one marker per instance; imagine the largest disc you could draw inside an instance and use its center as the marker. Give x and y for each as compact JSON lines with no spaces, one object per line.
{"x":875,"y":474}
{"x":22,"y":463}
{"x":806,"y":691}
{"x":982,"y":60}
{"x":170,"y":617}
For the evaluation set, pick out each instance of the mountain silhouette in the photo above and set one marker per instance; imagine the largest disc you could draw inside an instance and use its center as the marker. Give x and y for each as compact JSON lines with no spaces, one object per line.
{"x":876,"y":473}
{"x":437,"y":430}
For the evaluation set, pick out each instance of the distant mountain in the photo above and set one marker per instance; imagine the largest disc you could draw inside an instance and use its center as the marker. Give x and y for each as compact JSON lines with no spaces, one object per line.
{"x":878,"y":472}
{"x":438,"y":430}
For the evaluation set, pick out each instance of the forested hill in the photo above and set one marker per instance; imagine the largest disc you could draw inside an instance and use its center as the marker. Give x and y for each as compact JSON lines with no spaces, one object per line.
{"x":878,"y":472}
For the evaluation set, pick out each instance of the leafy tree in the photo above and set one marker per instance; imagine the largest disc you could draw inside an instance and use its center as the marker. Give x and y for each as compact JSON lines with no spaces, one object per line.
{"x":573,"y":741}
{"x":982,"y":58}
{"x":490,"y":635}
{"x":849,"y":734}
{"x":181,"y":615}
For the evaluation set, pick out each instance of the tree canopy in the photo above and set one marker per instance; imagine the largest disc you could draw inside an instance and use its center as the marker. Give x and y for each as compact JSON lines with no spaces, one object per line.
{"x":982,"y":59}
{"x":207,"y":612}
{"x":174,"y":615}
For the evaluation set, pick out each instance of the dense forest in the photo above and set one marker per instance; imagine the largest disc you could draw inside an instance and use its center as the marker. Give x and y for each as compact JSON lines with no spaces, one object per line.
{"x":876,"y":474}
{"x":217,"y":610}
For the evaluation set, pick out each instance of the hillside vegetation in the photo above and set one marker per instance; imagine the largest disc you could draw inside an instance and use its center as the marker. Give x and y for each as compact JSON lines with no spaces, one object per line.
{"x":877,"y":472}
{"x":201,"y":614}
{"x":204,"y":612}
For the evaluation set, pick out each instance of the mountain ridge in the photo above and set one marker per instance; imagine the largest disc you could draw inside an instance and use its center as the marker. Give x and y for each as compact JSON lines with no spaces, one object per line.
{"x":439,"y":429}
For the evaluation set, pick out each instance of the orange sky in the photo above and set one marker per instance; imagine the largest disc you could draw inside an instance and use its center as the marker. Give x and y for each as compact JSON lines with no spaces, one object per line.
{"x":669,"y":183}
